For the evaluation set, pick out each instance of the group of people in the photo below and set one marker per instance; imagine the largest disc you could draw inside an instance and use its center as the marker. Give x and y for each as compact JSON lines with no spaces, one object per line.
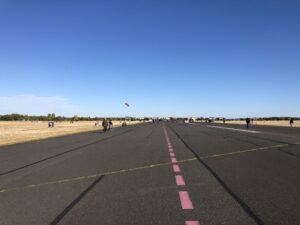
{"x":107,"y":125}
{"x":248,"y":122}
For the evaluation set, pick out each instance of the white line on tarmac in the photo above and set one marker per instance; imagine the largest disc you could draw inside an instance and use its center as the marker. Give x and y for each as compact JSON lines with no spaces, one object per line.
{"x":229,"y":128}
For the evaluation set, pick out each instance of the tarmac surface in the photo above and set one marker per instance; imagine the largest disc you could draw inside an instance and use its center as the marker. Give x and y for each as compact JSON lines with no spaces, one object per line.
{"x":162,"y":173}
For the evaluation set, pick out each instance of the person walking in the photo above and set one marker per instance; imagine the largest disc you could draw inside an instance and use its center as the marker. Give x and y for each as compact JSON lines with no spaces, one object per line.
{"x":104,"y":125}
{"x":291,"y":122}
{"x":110,"y":124}
{"x":248,"y":122}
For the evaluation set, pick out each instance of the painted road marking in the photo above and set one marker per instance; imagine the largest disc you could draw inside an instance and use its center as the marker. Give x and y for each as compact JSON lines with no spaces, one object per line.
{"x":192,"y":223}
{"x":179,"y":180}
{"x":139,"y":168}
{"x":176,"y":168}
{"x":184,"y":196}
{"x":92,"y":176}
{"x":229,"y":128}
{"x":243,"y":151}
{"x":185,"y":200}
{"x":174,"y":160}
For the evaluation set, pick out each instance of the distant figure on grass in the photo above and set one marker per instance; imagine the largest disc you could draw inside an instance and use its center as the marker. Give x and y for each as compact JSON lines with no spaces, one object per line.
{"x":247,"y":122}
{"x":110,"y":124}
{"x":291,"y":122}
{"x":224,"y":120}
{"x":104,"y":125}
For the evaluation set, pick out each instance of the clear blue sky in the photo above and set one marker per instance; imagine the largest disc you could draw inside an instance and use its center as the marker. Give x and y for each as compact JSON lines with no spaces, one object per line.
{"x":165,"y":58}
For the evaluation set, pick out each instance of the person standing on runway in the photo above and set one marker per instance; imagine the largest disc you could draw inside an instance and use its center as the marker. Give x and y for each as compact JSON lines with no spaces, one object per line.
{"x":291,"y":122}
{"x":110,"y":124}
{"x":104,"y":125}
{"x":248,"y":122}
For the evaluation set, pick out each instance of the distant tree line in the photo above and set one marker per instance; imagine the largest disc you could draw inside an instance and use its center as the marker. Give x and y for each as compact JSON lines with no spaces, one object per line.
{"x":53,"y":117}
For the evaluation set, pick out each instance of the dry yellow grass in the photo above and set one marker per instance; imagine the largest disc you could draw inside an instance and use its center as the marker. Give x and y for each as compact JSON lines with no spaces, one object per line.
{"x":283,"y":123}
{"x":12,"y":132}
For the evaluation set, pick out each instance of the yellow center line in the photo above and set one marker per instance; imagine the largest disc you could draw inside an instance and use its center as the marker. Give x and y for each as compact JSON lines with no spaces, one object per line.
{"x":93,"y":175}
{"x":243,"y":151}
{"x":137,"y":168}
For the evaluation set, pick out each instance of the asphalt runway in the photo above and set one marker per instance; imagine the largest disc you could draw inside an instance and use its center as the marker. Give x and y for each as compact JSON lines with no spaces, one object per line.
{"x":162,"y":173}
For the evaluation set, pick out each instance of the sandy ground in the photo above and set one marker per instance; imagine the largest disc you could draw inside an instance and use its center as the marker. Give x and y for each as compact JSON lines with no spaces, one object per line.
{"x":12,"y":132}
{"x":284,"y":123}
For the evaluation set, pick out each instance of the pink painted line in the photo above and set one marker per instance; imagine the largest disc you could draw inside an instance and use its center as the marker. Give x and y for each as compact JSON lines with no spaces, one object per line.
{"x":179,"y":180}
{"x":173,"y":160}
{"x":176,"y":168}
{"x":185,"y":200}
{"x":172,"y":154}
{"x":192,"y":223}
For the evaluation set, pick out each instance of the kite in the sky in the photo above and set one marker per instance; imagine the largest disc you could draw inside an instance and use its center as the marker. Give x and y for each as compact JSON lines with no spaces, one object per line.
{"x":126,"y":104}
